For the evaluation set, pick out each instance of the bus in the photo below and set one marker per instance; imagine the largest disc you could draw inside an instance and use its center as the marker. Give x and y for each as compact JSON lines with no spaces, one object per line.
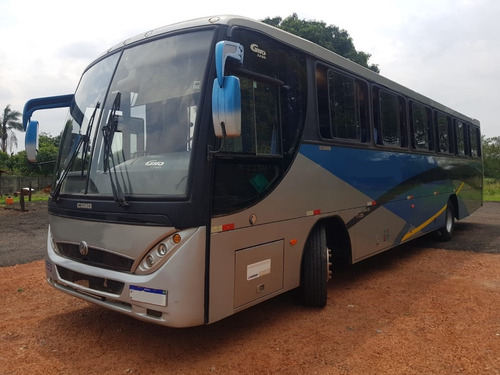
{"x":210,"y":165}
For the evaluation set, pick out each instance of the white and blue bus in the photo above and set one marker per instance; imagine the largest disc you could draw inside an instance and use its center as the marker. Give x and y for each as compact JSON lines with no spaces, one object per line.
{"x":210,"y":165}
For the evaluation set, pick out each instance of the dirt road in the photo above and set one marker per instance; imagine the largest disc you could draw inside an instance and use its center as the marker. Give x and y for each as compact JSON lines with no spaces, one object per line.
{"x":419,"y":309}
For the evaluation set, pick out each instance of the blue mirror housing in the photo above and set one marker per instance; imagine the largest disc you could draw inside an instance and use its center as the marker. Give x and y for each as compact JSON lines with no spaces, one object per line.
{"x":31,"y":141}
{"x":226,"y":108}
{"x":226,"y":94}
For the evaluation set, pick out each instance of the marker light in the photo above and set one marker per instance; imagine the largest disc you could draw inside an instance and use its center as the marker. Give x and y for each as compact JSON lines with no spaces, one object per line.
{"x":176,"y":238}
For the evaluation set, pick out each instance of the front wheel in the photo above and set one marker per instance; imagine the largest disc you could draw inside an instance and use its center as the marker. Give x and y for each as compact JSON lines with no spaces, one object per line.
{"x":446,"y":232}
{"x":315,"y":268}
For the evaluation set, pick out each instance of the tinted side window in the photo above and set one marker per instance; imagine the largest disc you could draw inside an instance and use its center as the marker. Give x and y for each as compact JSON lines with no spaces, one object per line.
{"x":420,"y":126}
{"x":460,"y":135}
{"x":342,"y":105}
{"x":390,"y":119}
{"x":343,"y":115}
{"x":474,"y":137}
{"x":444,"y":131}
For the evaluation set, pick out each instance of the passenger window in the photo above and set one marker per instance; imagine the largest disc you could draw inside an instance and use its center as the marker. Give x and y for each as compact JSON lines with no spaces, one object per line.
{"x":420,"y":127}
{"x":389,"y":118}
{"x":474,"y":141}
{"x":343,"y":115}
{"x":443,"y":127}
{"x":342,"y":105}
{"x":460,"y":132}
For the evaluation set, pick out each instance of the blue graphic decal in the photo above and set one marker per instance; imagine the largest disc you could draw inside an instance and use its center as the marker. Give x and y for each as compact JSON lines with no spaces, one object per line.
{"x":390,"y":177}
{"x":369,"y":171}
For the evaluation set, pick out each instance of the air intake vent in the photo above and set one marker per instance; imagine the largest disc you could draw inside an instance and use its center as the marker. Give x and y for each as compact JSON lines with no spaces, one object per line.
{"x":92,"y":282}
{"x":96,"y":257}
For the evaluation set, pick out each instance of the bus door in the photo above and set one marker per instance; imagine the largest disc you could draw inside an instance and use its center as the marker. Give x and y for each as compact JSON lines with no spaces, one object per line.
{"x":246,"y":169}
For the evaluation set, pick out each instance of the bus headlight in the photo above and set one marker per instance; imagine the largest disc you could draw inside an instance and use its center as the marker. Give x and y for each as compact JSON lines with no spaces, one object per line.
{"x":150,"y":260}
{"x":155,"y":257}
{"x":163,"y":250}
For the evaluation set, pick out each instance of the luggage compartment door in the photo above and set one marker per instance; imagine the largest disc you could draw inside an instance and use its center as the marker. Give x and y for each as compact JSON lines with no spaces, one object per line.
{"x":258,"y":272}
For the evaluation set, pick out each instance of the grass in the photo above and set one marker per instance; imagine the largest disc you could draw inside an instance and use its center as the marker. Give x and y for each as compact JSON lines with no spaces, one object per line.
{"x":491,"y":190}
{"x":37,"y":196}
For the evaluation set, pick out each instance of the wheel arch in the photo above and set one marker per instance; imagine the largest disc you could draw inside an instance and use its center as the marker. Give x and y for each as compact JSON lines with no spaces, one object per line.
{"x":337,"y":237}
{"x":328,"y":241}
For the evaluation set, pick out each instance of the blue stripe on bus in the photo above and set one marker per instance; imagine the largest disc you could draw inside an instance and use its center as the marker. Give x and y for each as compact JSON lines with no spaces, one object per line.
{"x":389,"y":177}
{"x":380,"y":170}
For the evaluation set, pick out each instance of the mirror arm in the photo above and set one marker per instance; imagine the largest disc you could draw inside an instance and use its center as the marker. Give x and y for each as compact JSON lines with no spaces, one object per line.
{"x":50,"y":102}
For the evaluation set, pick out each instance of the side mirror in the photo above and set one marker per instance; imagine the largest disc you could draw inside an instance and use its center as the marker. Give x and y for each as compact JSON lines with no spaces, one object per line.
{"x":31,"y":141}
{"x":226,"y":108}
{"x":226,"y":94}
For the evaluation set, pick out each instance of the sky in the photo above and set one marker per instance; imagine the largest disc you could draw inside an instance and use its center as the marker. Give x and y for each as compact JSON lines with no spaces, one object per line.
{"x":448,"y":50}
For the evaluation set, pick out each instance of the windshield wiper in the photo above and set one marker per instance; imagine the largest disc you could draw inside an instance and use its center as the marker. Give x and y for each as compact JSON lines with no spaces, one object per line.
{"x":108,"y":132}
{"x":86,"y":137}
{"x":83,"y":140}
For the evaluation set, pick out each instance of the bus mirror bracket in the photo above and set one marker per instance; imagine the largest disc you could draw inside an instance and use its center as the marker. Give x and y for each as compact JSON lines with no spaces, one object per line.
{"x":226,"y":93}
{"x":31,"y":127}
{"x":49,"y":102}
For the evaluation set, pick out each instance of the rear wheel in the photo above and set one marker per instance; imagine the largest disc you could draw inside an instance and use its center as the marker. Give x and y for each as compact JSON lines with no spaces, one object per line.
{"x":446,"y":232}
{"x":316,"y":268}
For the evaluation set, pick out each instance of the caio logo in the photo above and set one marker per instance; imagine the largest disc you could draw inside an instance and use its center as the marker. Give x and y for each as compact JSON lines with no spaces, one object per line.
{"x":260,"y":52}
{"x":155,"y":163}
{"x":86,"y":206}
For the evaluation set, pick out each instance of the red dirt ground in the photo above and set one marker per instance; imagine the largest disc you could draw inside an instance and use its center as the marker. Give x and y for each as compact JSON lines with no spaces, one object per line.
{"x":417,"y":309}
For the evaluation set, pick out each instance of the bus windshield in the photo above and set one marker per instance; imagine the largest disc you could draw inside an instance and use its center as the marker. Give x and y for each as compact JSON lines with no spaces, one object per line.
{"x":132,"y":122}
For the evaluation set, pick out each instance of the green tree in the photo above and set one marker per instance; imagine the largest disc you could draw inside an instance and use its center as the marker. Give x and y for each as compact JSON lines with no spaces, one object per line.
{"x":22,"y":167}
{"x":4,"y":160}
{"x":47,"y":154}
{"x":491,"y":157}
{"x":327,"y":36}
{"x":9,"y":122}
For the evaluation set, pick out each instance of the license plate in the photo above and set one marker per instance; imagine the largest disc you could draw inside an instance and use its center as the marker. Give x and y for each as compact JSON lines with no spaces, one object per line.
{"x":148,"y":295}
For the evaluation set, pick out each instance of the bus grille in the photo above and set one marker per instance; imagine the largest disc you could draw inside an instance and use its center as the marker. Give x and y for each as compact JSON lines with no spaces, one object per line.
{"x":91,"y":282}
{"x":96,"y":257}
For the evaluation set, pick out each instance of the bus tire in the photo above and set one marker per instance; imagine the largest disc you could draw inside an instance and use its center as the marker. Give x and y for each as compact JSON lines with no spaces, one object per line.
{"x":446,"y":232}
{"x":315,"y":268}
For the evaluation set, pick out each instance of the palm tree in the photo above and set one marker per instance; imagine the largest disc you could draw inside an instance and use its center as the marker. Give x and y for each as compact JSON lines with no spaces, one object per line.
{"x":9,"y":122}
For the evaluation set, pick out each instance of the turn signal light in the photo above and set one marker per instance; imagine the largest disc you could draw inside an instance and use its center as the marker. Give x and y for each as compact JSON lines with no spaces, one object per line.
{"x":176,"y":238}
